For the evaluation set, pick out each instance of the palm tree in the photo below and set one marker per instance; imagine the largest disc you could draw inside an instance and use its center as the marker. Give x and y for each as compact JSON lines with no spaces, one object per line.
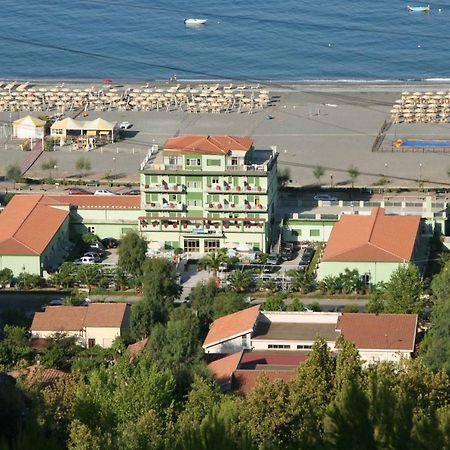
{"x":353,"y":173}
{"x":301,"y":280}
{"x":213,"y":260}
{"x":318,"y":172}
{"x":240,"y":280}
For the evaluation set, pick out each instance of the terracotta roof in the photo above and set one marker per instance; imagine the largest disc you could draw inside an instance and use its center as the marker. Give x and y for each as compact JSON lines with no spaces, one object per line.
{"x":372,"y":238}
{"x":59,"y":318}
{"x":27,"y":226}
{"x":75,"y":318}
{"x":252,"y":358}
{"x":223,"y":368}
{"x":109,"y":315}
{"x":95,"y":201}
{"x":46,"y":375}
{"x":212,"y":145}
{"x":232,"y":325}
{"x":379,"y":331}
{"x":245,"y":380}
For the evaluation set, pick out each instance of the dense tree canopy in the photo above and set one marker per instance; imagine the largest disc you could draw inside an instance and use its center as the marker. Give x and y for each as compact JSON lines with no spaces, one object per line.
{"x":132,"y":251}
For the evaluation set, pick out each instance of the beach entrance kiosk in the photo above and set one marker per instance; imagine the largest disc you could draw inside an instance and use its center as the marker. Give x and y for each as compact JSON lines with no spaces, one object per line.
{"x":84,"y":131}
{"x":28,"y":127}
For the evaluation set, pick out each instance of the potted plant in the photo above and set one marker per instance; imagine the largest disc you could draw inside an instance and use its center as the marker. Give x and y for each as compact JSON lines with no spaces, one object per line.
{"x":185,"y":225}
{"x":175,"y":187}
{"x":211,"y":205}
{"x":226,"y":225}
{"x":197,"y":225}
{"x":216,"y":225}
{"x":259,"y":188}
{"x":174,"y":225}
{"x":146,"y":186}
{"x":238,"y":188}
{"x":219,"y":206}
{"x":217,"y":188}
{"x":207,"y":226}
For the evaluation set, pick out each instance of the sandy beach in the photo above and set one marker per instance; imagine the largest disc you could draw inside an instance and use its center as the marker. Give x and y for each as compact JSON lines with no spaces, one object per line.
{"x":328,"y":124}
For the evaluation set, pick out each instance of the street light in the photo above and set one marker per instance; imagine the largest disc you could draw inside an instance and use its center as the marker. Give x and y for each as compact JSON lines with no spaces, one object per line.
{"x":420,"y":171}
{"x":385,"y":169}
{"x":114,"y":173}
{"x":331,"y":179}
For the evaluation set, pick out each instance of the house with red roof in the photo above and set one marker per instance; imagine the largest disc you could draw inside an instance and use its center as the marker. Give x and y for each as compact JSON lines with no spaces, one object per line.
{"x":35,"y":229}
{"x":241,"y":346}
{"x":33,"y":236}
{"x":95,"y":324}
{"x":376,"y":245}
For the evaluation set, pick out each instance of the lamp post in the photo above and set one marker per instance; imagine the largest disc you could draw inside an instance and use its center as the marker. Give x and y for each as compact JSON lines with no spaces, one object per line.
{"x":114,"y":172}
{"x":385,"y":169}
{"x":331,"y":179}
{"x":420,"y":171}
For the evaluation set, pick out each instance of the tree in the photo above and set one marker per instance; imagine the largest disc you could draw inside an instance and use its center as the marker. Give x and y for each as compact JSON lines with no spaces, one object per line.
{"x":295,"y":305}
{"x":66,"y":275}
{"x":404,"y":290}
{"x":83,"y":165}
{"x":318,"y":173}
{"x":348,"y":364}
{"x":14,"y":347}
{"x":284,"y":175}
{"x":202,"y":298}
{"x":89,"y":238}
{"x":132,"y":251}
{"x":353,"y":173}
{"x":227,"y":303}
{"x":213,"y":261}
{"x":14,"y":173}
{"x":88,"y":274}
{"x":301,"y":280}
{"x":27,"y":281}
{"x":239,"y":280}
{"x":275,"y":302}
{"x":347,"y":424}
{"x":160,"y":290}
{"x":49,"y":165}
{"x":6,"y":276}
{"x":350,"y":281}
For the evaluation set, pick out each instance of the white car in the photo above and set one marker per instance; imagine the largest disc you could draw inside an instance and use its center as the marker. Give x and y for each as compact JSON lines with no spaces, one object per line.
{"x":104,"y":192}
{"x":325,"y":197}
{"x":85,"y":260}
{"x":125,"y":125}
{"x":93,"y":255}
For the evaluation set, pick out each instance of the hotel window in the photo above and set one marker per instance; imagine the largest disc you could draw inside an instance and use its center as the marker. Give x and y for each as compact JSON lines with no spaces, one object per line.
{"x":213,"y":162}
{"x":193,"y":162}
{"x":91,"y":229}
{"x":303,"y":347}
{"x":285,"y":346}
{"x":212,"y":245}
{"x":214,"y":181}
{"x":314,"y":233}
{"x":192,"y":245}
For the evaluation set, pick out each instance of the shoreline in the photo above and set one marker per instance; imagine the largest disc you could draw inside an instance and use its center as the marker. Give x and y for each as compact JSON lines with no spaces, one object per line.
{"x":276,"y":85}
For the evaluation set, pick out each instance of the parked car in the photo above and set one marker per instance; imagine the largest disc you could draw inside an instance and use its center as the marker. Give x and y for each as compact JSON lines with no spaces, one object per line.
{"x":110,"y":242}
{"x":97,"y":251}
{"x":96,"y":256}
{"x":131,"y":192}
{"x":306,"y":258}
{"x":85,"y":260}
{"x":272,"y":262}
{"x":125,"y":125}
{"x":326,"y":197}
{"x":287,"y":251}
{"x":104,"y":192}
{"x":54,"y":302}
{"x":78,"y":191}
{"x":98,"y":245}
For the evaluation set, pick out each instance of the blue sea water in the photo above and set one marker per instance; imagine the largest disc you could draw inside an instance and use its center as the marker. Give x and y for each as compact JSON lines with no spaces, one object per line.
{"x":244,"y":39}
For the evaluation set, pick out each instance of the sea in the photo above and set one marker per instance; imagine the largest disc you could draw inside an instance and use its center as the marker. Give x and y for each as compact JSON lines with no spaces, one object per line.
{"x":267,"y":40}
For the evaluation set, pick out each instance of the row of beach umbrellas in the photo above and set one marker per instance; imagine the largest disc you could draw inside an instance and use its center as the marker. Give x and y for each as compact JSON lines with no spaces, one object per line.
{"x":200,"y":98}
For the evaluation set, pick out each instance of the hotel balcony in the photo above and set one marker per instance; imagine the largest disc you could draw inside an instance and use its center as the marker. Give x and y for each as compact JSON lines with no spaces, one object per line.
{"x":169,"y":206}
{"x":244,"y":189}
{"x":164,"y":187}
{"x":235,"y":207}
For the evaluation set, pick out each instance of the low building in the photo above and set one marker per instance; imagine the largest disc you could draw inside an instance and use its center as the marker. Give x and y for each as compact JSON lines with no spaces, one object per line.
{"x":95,"y":324}
{"x":378,"y":337}
{"x":33,"y":236}
{"x":375,"y":245}
{"x":28,"y":127}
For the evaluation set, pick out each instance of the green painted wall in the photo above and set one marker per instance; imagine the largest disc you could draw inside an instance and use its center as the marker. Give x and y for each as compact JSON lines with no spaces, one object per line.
{"x":379,"y":271}
{"x":18,"y":264}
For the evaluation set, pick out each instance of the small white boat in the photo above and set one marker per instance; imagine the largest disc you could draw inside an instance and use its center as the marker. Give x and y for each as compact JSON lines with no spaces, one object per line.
{"x":424,"y":9}
{"x":195,"y":21}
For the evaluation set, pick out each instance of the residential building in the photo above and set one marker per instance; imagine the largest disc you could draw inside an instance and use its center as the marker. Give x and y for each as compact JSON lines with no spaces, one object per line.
{"x":33,"y":236}
{"x":376,"y":245}
{"x":203,"y":192}
{"x":95,"y":324}
{"x":378,"y":337}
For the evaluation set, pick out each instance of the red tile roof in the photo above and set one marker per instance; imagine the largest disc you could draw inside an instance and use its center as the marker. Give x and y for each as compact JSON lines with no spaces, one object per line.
{"x":95,"y":201}
{"x":223,"y":368}
{"x":137,"y":347}
{"x":244,"y":381}
{"x":379,"y":331}
{"x":372,"y":238}
{"x":27,"y":226}
{"x":46,"y":375}
{"x":272,"y":357}
{"x":232,"y":325}
{"x":213,"y":145}
{"x":75,"y":318}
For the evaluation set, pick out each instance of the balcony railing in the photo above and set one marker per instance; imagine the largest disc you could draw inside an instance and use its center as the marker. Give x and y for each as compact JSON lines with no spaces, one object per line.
{"x":235,"y":207}
{"x":164,"y":187}
{"x":247,"y":168}
{"x":170,"y":206}
{"x":235,"y":189}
